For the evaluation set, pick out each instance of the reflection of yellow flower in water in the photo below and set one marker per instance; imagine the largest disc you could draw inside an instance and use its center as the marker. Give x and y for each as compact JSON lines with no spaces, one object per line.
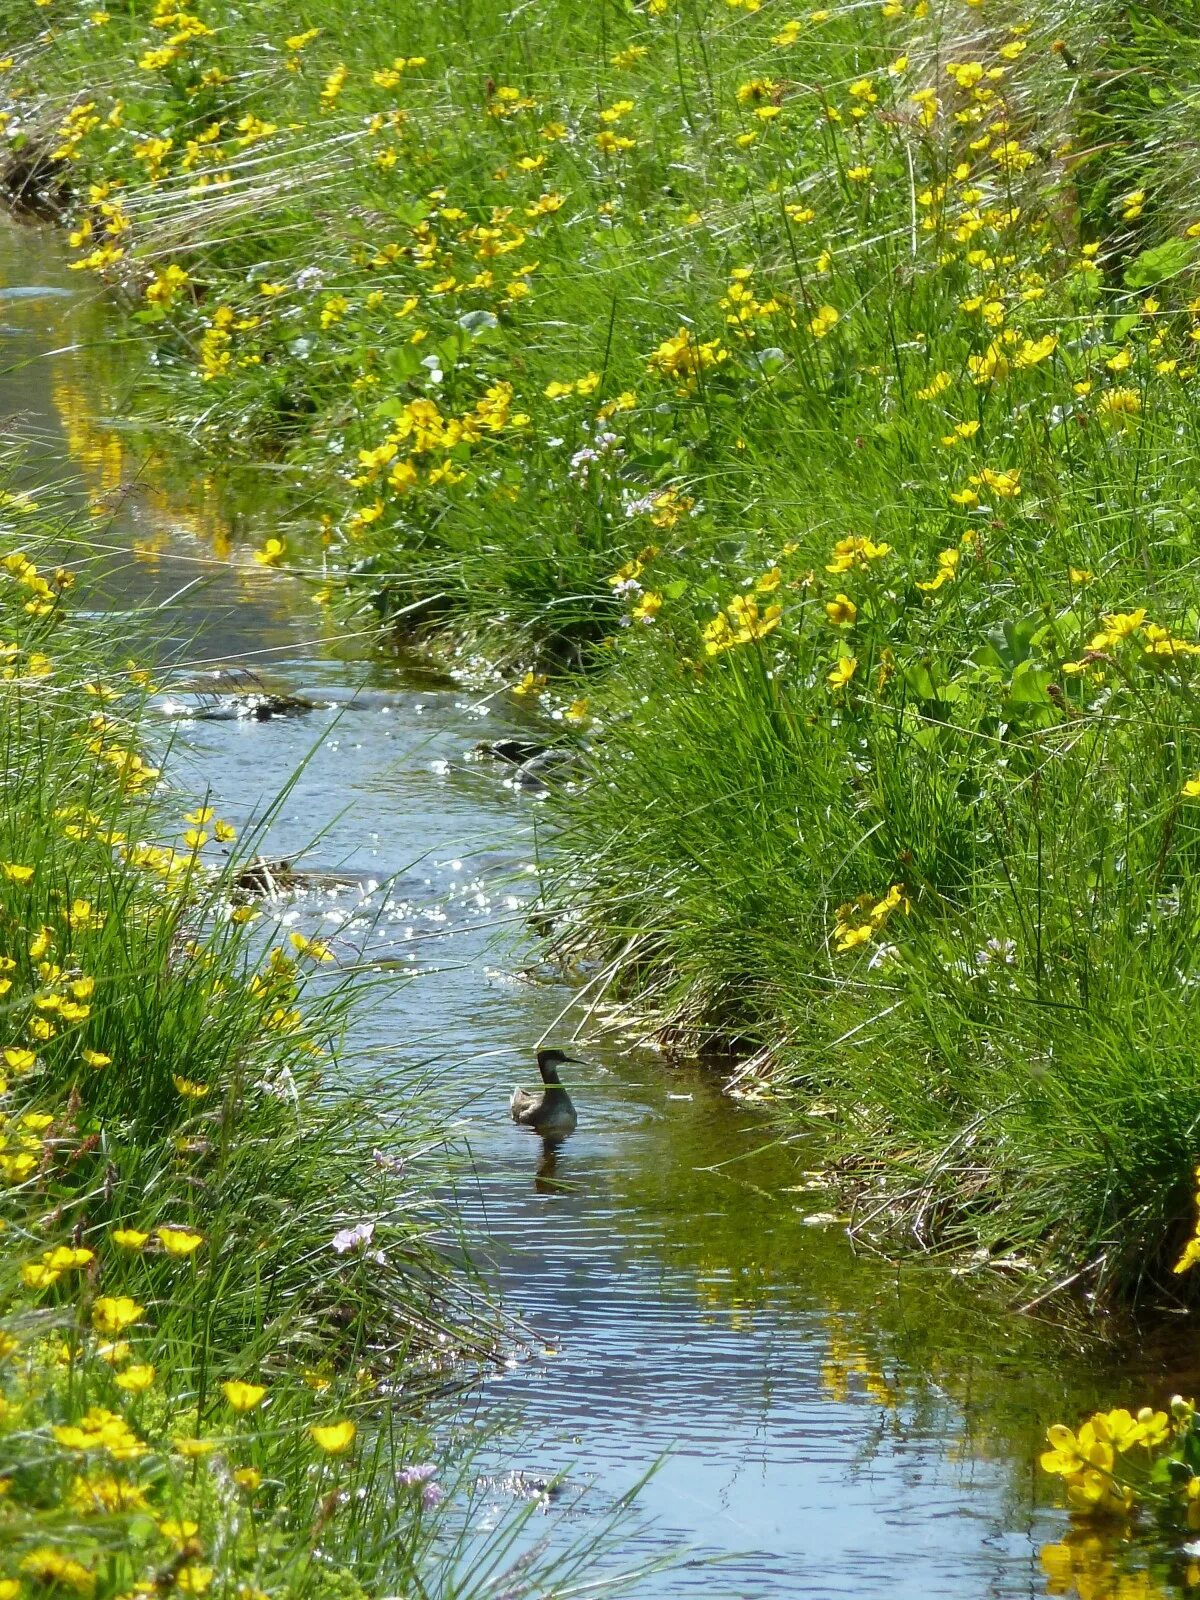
{"x":531,"y":685}
{"x":271,"y":554}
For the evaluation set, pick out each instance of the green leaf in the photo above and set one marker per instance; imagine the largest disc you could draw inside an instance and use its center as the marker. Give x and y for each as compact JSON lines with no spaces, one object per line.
{"x":920,"y":680}
{"x":1163,"y":261}
{"x":1029,"y":684}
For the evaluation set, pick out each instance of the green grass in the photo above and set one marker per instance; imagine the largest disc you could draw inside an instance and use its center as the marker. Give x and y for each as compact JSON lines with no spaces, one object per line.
{"x":978,"y":351}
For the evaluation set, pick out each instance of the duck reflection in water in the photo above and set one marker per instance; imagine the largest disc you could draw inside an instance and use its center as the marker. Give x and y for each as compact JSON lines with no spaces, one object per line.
{"x":548,"y":1179}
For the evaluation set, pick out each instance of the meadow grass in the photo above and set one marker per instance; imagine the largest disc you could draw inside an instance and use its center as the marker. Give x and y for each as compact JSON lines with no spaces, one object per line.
{"x":801,"y":405}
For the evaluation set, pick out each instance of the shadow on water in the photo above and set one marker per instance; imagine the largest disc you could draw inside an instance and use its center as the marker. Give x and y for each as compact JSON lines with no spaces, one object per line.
{"x":829,"y":1425}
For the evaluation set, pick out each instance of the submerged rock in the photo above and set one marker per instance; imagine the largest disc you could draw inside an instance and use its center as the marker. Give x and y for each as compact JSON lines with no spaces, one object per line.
{"x":535,"y":762}
{"x":514,"y":751}
{"x":264,"y":878}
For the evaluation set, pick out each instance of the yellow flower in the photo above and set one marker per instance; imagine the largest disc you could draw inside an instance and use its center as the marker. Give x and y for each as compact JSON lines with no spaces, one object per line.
{"x":50,"y":1568}
{"x":193,"y":1449}
{"x":193,"y":1580}
{"x":37,"y":1275}
{"x":841,"y":611}
{"x":826,"y":319}
{"x":112,"y":1314}
{"x":103,"y":1493}
{"x":947,"y":568}
{"x":178,"y":1241}
{"x":178,"y":1529}
{"x":15,"y":873}
{"x":100,"y":1429}
{"x":18,"y":1060}
{"x":243,"y":1396}
{"x":135,"y":1379}
{"x":1005,"y":485}
{"x":315,"y":949}
{"x":1033,"y":351}
{"x":247,"y":1478}
{"x":95,"y":1058}
{"x":129,"y":1238}
{"x":1118,"y":404}
{"x":856,"y":551}
{"x":1118,"y":626}
{"x":333,"y":1437}
{"x":189,"y":1089}
{"x":937,"y":385}
{"x":68,"y":1258}
{"x":843,"y":672}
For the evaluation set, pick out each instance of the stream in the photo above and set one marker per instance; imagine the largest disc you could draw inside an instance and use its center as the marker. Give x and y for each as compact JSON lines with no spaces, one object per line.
{"x":827,"y":1424}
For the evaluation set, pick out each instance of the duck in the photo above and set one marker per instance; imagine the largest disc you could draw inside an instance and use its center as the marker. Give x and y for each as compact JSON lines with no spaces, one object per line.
{"x":548,"y":1111}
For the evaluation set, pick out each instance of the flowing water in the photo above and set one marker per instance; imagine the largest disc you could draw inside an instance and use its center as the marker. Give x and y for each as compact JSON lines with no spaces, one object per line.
{"x":829,"y":1425}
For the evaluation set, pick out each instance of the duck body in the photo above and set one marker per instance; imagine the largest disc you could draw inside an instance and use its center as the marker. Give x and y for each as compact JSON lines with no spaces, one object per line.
{"x":549,"y":1109}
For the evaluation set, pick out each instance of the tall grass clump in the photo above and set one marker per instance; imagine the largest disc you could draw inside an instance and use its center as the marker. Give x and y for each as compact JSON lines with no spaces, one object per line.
{"x":813,"y":392}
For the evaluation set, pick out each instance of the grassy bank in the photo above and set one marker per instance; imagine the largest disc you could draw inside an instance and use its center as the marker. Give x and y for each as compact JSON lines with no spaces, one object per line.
{"x":224,"y":1314}
{"x":819,"y":387}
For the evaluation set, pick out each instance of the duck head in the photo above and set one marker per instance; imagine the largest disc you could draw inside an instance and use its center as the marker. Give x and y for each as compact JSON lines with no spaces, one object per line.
{"x":549,"y":1062}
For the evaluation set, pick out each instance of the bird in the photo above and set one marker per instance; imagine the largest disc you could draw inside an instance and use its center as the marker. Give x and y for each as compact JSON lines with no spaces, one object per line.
{"x":548,"y":1111}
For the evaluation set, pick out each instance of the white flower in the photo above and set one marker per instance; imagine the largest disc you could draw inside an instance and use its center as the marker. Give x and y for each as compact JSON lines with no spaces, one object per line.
{"x":356,"y":1238}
